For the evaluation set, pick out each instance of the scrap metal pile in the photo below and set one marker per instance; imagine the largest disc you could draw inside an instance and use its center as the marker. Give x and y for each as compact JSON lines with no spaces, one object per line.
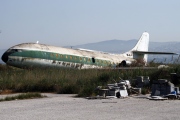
{"x":118,"y":90}
{"x":161,"y":89}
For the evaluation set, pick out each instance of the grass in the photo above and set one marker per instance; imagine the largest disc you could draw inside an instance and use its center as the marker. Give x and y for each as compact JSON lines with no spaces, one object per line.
{"x":72,"y":81}
{"x":22,"y":96}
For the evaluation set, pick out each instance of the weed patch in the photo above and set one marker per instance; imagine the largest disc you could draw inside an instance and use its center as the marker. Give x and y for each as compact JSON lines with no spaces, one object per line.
{"x":72,"y":81}
{"x":23,"y":96}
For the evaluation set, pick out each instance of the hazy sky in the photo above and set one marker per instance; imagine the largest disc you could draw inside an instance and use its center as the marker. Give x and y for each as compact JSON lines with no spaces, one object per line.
{"x":73,"y":22}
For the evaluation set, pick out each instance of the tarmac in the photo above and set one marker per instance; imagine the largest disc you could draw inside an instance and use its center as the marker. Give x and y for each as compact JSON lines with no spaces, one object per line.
{"x":68,"y":107}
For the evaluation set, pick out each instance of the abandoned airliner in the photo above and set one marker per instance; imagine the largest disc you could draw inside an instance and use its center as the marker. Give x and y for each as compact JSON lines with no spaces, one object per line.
{"x":29,"y":55}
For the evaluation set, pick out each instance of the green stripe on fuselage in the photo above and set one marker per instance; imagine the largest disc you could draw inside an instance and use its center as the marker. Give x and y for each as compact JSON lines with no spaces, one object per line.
{"x":61,"y":57}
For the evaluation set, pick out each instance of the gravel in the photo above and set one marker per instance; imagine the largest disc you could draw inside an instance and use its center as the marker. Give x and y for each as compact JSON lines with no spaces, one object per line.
{"x":67,"y":107}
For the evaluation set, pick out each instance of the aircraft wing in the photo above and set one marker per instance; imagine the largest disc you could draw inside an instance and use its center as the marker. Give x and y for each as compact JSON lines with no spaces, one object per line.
{"x":146,"y":52}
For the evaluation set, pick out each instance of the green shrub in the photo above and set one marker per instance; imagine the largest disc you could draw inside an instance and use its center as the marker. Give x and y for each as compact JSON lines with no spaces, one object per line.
{"x":73,"y":81}
{"x":23,"y":96}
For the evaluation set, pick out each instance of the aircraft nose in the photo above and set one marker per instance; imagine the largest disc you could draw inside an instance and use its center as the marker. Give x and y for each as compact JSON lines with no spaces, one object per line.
{"x":5,"y":57}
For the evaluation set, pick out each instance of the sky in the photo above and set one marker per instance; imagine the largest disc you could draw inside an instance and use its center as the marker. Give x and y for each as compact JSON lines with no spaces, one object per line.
{"x":75,"y":22}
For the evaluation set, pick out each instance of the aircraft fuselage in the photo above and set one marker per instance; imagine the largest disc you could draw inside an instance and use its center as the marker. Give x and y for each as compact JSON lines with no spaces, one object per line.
{"x":28,"y":55}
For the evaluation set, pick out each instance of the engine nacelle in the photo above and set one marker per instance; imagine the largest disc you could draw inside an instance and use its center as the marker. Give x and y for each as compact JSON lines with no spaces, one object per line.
{"x":125,"y":63}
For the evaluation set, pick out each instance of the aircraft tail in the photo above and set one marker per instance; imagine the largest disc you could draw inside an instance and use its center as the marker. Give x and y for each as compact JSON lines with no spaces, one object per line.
{"x":142,"y":46}
{"x":143,"y":43}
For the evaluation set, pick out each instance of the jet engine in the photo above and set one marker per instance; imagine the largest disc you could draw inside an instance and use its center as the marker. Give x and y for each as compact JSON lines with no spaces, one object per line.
{"x":125,"y":63}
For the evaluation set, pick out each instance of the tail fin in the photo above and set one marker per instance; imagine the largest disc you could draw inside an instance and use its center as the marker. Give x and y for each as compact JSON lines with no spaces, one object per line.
{"x":142,"y":45}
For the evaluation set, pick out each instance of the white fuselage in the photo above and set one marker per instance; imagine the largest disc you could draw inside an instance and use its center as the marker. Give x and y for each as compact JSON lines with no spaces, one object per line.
{"x":34,"y":54}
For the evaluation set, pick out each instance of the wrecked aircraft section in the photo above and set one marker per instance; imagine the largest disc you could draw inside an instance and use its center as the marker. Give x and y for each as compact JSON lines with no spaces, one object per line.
{"x":116,"y":90}
{"x":122,"y":89}
{"x":161,"y":89}
{"x":142,"y":81}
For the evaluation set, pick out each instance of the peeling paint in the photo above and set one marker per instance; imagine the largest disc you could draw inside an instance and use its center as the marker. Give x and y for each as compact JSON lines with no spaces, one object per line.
{"x":45,"y":55}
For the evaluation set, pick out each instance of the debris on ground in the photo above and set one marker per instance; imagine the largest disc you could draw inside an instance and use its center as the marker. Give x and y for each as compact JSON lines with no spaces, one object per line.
{"x":161,"y":89}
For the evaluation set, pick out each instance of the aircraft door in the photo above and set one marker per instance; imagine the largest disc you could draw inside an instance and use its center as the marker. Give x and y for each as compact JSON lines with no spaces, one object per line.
{"x":93,"y":60}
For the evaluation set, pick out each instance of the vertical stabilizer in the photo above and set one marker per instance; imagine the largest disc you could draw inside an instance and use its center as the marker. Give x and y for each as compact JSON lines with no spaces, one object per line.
{"x":142,"y":45}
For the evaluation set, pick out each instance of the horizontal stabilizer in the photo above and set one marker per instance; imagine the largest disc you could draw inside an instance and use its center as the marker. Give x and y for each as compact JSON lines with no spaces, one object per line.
{"x":162,"y":53}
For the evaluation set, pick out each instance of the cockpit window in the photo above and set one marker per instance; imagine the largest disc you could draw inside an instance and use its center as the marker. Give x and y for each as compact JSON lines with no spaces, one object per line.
{"x":9,"y":50}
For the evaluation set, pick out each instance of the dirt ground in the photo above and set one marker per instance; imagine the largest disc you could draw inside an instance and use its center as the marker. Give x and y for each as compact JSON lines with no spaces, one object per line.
{"x":68,"y":107}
